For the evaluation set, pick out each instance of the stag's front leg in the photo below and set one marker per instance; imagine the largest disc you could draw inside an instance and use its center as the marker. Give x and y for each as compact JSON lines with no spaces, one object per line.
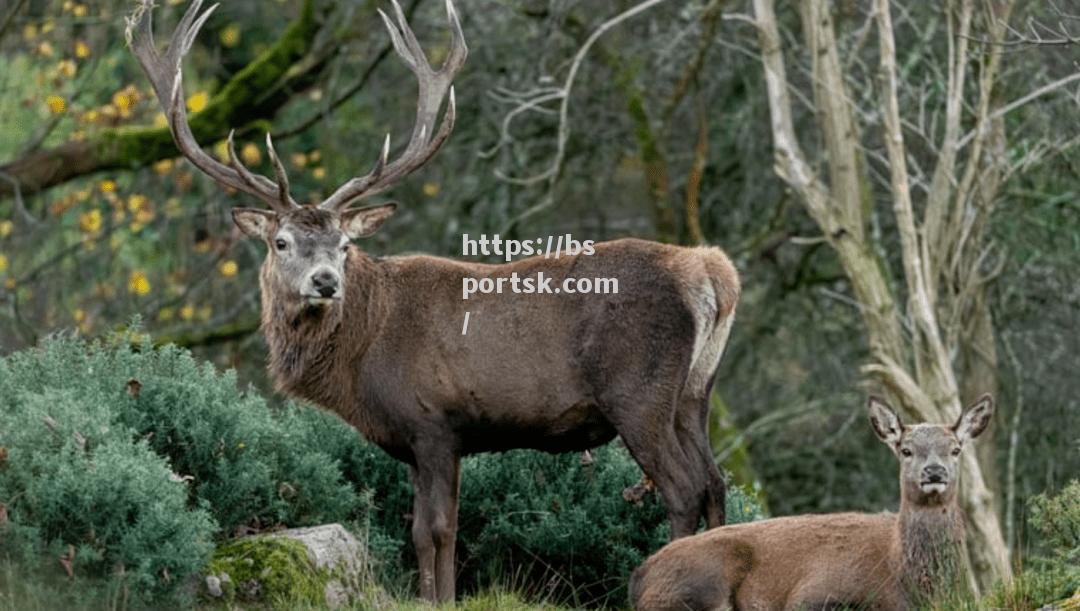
{"x":435,"y":508}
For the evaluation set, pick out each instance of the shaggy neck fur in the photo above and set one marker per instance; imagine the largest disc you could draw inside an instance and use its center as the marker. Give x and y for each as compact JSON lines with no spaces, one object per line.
{"x":313,"y":348}
{"x":931,"y":540}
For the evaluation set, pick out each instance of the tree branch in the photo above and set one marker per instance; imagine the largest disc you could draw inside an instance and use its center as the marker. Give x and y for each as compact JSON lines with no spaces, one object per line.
{"x":242,"y":101}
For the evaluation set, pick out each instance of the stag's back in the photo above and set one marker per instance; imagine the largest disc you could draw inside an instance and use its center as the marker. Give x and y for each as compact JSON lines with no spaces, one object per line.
{"x":802,"y":562}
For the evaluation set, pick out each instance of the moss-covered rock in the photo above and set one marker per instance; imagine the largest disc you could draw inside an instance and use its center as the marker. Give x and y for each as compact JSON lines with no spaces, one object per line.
{"x":322,"y":565}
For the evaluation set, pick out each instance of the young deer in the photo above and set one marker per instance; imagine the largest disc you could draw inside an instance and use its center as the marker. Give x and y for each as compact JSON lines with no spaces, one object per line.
{"x":848,"y":560}
{"x":379,"y":340}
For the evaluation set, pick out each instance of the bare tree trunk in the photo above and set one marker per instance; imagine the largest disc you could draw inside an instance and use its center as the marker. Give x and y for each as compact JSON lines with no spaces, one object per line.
{"x":917,"y":366}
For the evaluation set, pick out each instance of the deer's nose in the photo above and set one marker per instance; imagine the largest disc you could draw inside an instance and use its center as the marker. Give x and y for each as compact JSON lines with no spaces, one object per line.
{"x":325,"y":283}
{"x":935,"y":474}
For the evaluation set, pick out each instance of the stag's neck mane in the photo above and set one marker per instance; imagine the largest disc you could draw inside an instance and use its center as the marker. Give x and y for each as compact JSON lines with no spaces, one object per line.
{"x":313,"y":350}
{"x":931,"y":540}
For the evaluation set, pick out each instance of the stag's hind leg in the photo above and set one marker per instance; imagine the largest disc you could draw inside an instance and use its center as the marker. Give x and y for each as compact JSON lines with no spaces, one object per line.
{"x":692,"y":429}
{"x":646,"y":424}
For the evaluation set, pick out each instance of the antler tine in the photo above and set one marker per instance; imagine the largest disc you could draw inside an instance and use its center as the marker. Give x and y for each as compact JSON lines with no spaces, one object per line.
{"x":433,"y":87}
{"x":166,"y":76}
{"x":279,"y":171}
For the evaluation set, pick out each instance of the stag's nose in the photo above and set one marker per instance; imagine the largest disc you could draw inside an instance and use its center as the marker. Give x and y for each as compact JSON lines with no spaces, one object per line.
{"x":935,"y":474}
{"x":325,"y":284}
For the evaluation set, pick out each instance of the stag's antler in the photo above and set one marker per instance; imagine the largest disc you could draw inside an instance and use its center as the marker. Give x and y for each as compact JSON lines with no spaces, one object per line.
{"x":425,"y":142}
{"x":166,"y":75}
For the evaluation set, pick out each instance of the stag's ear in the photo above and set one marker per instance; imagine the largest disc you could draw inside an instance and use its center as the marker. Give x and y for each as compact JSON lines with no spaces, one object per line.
{"x":254,"y":222}
{"x":362,"y":222}
{"x":975,"y":419}
{"x":885,"y":422}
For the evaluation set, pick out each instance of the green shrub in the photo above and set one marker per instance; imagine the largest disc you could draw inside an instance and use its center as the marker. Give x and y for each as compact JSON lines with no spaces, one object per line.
{"x":1055,"y":575}
{"x":106,"y":474}
{"x":78,"y":487}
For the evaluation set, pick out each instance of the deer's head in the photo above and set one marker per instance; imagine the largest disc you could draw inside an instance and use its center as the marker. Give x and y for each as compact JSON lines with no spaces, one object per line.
{"x":307,"y":246}
{"x":929,"y":453}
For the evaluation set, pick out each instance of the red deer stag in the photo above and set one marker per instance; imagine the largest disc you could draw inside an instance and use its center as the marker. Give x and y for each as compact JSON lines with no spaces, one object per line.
{"x":379,"y":340}
{"x":842,"y":560}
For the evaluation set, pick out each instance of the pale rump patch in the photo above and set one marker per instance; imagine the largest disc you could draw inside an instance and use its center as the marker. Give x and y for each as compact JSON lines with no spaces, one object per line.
{"x":711,"y":295}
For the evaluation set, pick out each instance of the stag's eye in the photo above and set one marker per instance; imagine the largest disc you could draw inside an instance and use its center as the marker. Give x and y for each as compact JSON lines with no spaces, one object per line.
{"x":905,"y":452}
{"x":281,"y":244}
{"x":956,"y":452}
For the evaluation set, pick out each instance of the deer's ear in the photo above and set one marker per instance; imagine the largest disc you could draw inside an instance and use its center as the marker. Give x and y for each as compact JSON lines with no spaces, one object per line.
{"x":975,"y":419}
{"x":885,"y":422}
{"x":254,"y":222}
{"x":362,"y":222}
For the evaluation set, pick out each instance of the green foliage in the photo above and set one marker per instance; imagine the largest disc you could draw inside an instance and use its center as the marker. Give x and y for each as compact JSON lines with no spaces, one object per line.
{"x":1056,"y":576}
{"x":100,"y":440}
{"x":78,"y":486}
{"x":1058,"y":519}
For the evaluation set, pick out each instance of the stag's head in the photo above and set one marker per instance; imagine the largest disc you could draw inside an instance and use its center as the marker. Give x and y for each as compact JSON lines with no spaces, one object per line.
{"x":929,"y":453}
{"x":307,"y":246}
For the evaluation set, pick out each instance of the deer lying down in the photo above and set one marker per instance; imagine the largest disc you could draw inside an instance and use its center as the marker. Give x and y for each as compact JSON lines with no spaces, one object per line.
{"x":850,"y":560}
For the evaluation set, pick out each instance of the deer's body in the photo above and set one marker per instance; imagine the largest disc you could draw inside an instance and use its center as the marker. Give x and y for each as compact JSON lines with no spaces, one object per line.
{"x":845,"y":560}
{"x":552,"y":372}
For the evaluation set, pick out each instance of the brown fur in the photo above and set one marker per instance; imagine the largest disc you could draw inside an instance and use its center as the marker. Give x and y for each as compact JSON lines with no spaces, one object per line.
{"x":853,"y":560}
{"x":552,"y":372}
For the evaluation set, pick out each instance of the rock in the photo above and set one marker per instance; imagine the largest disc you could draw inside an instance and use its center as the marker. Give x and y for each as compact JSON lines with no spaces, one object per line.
{"x":1069,"y":604}
{"x":213,"y":586}
{"x":321,"y":565}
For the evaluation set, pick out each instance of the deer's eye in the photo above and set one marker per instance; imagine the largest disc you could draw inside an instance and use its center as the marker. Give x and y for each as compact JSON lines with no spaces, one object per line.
{"x":345,"y":247}
{"x":905,"y":452}
{"x":956,"y":452}
{"x":281,"y":244}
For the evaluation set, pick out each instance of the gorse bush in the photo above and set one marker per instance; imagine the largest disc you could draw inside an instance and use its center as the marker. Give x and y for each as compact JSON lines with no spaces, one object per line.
{"x":136,"y":459}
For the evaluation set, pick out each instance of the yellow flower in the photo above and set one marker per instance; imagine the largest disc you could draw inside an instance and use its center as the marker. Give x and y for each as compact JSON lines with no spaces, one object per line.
{"x":45,"y":48}
{"x":228,"y":268}
{"x":30,"y":31}
{"x":67,"y":68}
{"x":9,"y":284}
{"x":107,"y":186}
{"x":187,"y":312}
{"x":431,"y":189}
{"x":299,"y":160}
{"x":250,"y":154}
{"x":6,"y":227}
{"x":78,"y":315}
{"x":79,"y":10}
{"x":315,"y":156}
{"x":319,"y":173}
{"x":82,"y":50}
{"x":3,"y":263}
{"x":137,"y":202}
{"x":230,"y":36}
{"x":90,"y":222}
{"x":163,"y":167}
{"x":48,"y":26}
{"x":138,"y":283}
{"x":241,"y":445}
{"x":56,"y":104}
{"x":198,"y":101}
{"x":123,"y":101}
